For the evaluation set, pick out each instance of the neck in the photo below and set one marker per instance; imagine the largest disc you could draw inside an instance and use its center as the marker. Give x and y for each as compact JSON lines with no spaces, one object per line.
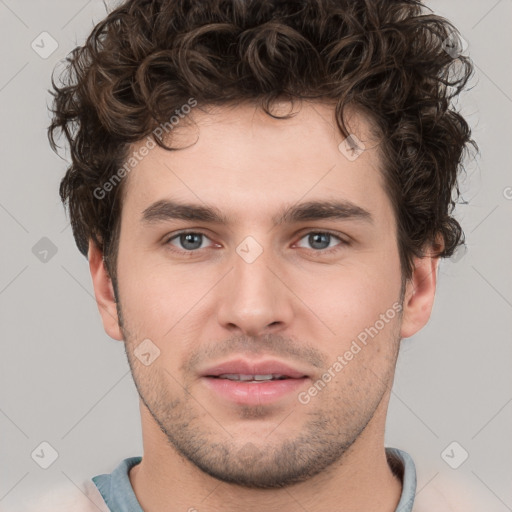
{"x":361,"y":480}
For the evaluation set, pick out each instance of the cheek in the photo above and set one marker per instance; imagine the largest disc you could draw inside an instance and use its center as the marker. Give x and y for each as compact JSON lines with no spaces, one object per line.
{"x":145,"y":293}
{"x":357,"y":302}
{"x":356,"y":294}
{"x":162,"y":302}
{"x":351,"y":316}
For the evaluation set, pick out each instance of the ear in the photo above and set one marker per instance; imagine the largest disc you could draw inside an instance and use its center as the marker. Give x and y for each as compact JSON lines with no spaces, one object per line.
{"x":104,"y":292}
{"x":419,"y":295}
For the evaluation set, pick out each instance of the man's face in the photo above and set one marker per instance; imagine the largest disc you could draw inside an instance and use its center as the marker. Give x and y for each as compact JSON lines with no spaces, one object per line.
{"x":299,"y":292}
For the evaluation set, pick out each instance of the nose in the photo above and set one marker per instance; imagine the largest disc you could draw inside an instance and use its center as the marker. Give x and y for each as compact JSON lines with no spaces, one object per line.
{"x":254,"y":299}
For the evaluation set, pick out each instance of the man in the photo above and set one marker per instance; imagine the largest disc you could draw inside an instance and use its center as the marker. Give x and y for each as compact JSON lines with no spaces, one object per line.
{"x":263,"y":272}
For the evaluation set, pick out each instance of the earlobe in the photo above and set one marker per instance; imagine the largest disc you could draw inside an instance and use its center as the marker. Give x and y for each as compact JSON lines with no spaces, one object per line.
{"x":104,"y":292}
{"x":419,"y":296}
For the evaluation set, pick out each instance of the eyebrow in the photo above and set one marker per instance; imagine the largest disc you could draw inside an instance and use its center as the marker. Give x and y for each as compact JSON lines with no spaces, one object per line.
{"x":165,"y":210}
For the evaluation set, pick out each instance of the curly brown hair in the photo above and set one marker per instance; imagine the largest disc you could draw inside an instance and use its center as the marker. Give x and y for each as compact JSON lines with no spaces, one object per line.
{"x":388,"y":59}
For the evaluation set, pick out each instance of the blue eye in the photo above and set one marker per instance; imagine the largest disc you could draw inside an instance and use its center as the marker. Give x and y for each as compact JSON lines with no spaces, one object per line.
{"x":320,"y":241}
{"x":191,"y":241}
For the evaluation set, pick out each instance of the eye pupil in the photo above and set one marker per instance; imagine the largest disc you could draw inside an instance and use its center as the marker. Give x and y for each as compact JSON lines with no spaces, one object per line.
{"x":315,"y":238}
{"x":189,"y":238}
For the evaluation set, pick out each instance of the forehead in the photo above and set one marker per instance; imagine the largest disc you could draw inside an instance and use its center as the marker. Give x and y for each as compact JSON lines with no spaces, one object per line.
{"x":243,"y":160}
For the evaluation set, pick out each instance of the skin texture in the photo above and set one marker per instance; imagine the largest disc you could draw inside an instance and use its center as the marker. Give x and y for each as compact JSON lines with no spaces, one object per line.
{"x":295,"y":303}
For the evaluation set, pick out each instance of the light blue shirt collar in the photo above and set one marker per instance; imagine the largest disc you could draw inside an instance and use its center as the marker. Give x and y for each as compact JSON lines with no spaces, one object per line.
{"x":118,"y":493}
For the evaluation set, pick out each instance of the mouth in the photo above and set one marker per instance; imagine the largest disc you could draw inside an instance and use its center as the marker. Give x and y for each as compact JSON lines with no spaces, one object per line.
{"x":253,"y":389}
{"x":249,"y":378}
{"x":249,"y":383}
{"x":247,"y":370}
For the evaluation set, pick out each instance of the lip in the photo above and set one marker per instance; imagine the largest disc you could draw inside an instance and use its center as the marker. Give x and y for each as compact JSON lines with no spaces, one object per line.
{"x":246,"y":367}
{"x":253,"y":393}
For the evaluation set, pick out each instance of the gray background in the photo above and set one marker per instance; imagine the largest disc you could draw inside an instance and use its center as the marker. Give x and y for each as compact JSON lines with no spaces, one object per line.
{"x":64,"y":381}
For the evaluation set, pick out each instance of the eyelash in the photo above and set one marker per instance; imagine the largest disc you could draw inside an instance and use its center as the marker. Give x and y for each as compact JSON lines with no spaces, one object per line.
{"x":317,"y":251}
